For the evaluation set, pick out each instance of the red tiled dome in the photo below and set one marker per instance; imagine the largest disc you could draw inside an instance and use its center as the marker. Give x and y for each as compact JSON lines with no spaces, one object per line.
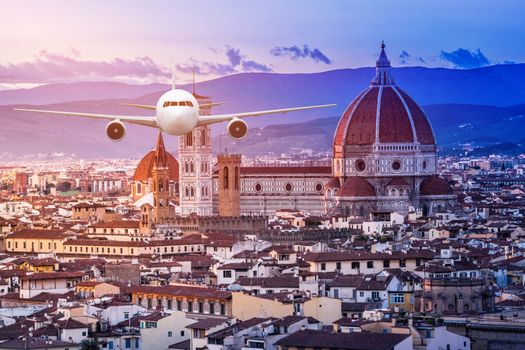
{"x":333,"y":183}
{"x":400,"y":119}
{"x":383,"y":112}
{"x":435,"y":185}
{"x":160,"y":156}
{"x":144,"y":170}
{"x":356,"y":186}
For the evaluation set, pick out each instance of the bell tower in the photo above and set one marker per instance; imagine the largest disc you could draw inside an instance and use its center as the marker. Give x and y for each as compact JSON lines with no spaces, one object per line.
{"x":195,"y":164}
{"x":161,"y":183}
{"x":229,"y":184}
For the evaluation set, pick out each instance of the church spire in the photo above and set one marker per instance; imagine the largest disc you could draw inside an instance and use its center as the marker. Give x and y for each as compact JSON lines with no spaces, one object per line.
{"x":160,"y":153}
{"x":382,"y":76}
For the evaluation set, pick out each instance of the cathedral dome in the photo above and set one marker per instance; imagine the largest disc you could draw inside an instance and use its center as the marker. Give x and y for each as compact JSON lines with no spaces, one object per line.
{"x":435,"y":186}
{"x":383,"y":114}
{"x":144,"y":169}
{"x":356,"y":186}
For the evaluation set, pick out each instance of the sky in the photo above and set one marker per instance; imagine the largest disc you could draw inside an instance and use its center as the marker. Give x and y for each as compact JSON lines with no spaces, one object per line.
{"x":142,"y":41}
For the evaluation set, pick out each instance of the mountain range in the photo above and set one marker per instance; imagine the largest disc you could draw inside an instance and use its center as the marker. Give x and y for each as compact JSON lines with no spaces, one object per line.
{"x":483,"y":106}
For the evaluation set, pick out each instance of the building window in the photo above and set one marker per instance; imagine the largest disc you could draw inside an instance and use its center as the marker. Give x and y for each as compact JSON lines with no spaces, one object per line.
{"x":396,"y":165}
{"x":397,"y":298}
{"x":369,"y":264}
{"x":386,"y":263}
{"x":338,"y":265}
{"x":203,"y":137}
{"x":170,"y":334}
{"x":355,"y":265}
{"x":323,"y":266}
{"x":223,"y":309}
{"x":128,"y":343}
{"x":189,"y":139}
{"x":237,"y":180}
{"x":227,"y":274}
{"x":225,"y":178}
{"x":360,"y":165}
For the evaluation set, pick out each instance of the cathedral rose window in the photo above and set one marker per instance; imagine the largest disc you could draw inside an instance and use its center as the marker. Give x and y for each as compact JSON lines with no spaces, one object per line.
{"x":396,"y":165}
{"x":360,"y":165}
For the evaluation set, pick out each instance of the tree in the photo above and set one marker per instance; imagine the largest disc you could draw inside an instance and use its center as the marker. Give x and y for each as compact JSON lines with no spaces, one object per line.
{"x":361,"y":238}
{"x":89,"y":344}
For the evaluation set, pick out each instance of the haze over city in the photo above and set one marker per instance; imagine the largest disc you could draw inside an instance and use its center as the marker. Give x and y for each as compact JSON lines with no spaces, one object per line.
{"x":233,"y":175}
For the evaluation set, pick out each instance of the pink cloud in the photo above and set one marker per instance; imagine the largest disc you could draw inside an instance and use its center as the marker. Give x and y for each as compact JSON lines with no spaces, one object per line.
{"x":47,"y":67}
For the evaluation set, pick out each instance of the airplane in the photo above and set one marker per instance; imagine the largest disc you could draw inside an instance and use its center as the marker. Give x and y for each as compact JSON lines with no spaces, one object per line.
{"x":176,"y":113}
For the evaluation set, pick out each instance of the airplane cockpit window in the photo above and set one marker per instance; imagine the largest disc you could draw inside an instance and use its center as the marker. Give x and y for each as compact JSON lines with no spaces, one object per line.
{"x":175,"y":103}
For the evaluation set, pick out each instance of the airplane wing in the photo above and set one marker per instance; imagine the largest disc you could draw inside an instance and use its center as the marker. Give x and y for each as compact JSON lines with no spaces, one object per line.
{"x":211,"y":104}
{"x":139,"y":106}
{"x":210,"y":119}
{"x":141,"y":120}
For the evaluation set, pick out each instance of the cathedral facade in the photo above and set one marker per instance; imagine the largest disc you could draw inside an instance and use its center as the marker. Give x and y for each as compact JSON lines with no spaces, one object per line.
{"x":384,"y":160}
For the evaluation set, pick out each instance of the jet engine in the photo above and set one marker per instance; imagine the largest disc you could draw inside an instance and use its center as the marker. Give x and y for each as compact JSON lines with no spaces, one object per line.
{"x":237,"y":128}
{"x":116,"y":130}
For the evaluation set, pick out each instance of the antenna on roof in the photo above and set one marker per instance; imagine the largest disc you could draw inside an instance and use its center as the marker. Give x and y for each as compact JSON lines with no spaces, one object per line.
{"x":193,"y":85}
{"x":173,"y":77}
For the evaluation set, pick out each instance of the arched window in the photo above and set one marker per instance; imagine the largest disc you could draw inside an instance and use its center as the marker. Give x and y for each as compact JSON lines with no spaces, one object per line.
{"x":189,"y":139}
{"x":139,"y":188}
{"x":192,"y":169}
{"x":192,"y":191}
{"x":203,"y":191}
{"x":186,"y":191}
{"x":225,"y":178}
{"x":186,"y":168}
{"x":203,"y":137}
{"x":236,"y":178}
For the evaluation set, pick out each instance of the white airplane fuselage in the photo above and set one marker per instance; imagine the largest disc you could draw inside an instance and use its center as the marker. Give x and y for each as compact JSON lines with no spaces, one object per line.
{"x":177,"y":112}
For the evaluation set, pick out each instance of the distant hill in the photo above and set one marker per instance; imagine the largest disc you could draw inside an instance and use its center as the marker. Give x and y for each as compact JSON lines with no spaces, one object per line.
{"x":58,"y":93}
{"x":463,"y":106}
{"x":490,"y":129}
